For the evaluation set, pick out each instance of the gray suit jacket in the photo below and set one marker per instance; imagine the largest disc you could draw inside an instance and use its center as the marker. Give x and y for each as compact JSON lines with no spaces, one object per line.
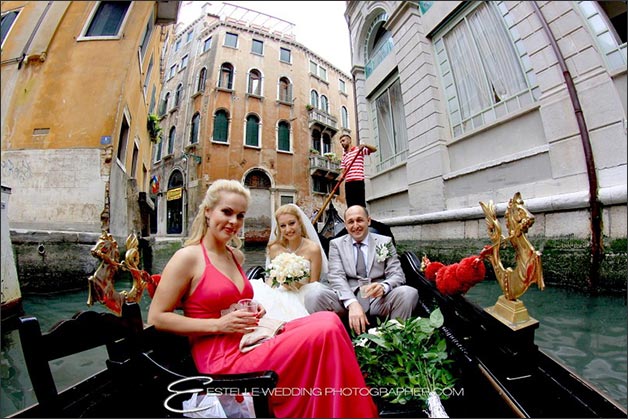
{"x":342,"y":276}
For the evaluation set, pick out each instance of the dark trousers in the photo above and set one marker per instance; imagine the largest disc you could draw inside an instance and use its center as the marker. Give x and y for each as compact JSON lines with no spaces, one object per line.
{"x":355,"y":194}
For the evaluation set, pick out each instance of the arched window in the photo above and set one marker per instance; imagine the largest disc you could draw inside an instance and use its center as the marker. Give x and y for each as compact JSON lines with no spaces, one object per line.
{"x":344,"y":117}
{"x":196,"y":120}
{"x":255,"y":83}
{"x":178,"y":95}
{"x":324,"y":104}
{"x":221,"y":126}
{"x":314,"y":99}
{"x":226,"y":76}
{"x":164,"y":104}
{"x":283,"y":136}
{"x":202,"y":77}
{"x":285,"y":90}
{"x":252,"y":131}
{"x":326,"y":143}
{"x":171,"y":139}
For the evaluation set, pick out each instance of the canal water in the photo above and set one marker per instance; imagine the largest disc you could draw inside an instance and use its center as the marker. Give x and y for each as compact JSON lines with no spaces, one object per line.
{"x":586,"y":333}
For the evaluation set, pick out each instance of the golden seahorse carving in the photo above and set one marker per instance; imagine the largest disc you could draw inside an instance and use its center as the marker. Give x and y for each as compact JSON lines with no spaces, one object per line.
{"x":513,"y":282}
{"x":101,"y":283}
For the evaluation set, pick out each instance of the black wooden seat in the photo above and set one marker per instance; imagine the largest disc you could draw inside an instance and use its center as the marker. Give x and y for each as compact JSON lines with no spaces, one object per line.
{"x":141,"y":364}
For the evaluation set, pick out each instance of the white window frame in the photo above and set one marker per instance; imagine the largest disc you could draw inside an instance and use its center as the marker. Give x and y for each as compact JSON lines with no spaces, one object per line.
{"x":92,"y":15}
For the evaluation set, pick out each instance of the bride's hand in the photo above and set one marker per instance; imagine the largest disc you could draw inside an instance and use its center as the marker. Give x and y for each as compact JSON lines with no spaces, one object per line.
{"x":261,"y":311}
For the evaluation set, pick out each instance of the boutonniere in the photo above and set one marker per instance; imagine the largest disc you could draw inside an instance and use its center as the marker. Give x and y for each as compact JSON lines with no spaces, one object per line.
{"x":383,"y":251}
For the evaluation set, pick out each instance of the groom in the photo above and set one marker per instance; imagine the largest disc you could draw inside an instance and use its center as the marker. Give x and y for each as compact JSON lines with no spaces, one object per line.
{"x":387,"y":295}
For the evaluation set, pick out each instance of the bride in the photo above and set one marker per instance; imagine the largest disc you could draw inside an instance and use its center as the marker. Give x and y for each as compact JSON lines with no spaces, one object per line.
{"x":291,"y":232}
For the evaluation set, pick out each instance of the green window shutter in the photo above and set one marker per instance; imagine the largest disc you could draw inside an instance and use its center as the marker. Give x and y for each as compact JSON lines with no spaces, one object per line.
{"x":221,"y":126}
{"x":251,"y":131}
{"x":284,"y":136}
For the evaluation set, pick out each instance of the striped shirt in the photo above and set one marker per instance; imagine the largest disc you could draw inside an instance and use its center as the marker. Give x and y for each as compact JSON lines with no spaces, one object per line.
{"x":356,"y":172}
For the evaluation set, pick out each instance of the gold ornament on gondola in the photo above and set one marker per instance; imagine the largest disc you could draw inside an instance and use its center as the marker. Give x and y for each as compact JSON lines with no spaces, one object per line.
{"x":527,"y":271}
{"x":101,"y":283}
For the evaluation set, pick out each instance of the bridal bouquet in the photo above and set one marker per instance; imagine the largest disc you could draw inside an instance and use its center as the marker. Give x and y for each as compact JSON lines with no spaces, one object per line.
{"x":288,"y":269}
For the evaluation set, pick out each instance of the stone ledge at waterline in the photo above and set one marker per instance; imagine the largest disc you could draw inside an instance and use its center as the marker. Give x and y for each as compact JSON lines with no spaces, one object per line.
{"x":565,"y":261}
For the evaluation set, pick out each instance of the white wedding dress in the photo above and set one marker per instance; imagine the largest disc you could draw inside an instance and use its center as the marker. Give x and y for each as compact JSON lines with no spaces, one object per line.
{"x":281,"y":303}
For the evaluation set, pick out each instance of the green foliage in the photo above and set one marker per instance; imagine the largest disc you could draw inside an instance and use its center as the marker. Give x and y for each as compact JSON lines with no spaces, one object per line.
{"x":154,"y":129}
{"x":405,"y":360}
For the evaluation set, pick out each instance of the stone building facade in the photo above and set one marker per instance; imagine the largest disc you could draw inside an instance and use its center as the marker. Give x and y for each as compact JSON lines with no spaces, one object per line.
{"x":474,"y":101}
{"x":242,"y":99}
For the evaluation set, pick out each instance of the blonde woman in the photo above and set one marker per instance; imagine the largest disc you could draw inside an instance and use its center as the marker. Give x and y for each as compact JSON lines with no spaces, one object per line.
{"x":310,"y":354}
{"x":291,"y":232}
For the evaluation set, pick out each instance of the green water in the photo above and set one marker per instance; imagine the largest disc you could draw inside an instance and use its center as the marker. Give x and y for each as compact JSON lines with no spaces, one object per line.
{"x":588,"y":334}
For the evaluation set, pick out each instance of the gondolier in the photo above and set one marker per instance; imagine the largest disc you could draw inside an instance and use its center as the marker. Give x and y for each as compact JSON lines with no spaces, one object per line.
{"x":352,"y":166}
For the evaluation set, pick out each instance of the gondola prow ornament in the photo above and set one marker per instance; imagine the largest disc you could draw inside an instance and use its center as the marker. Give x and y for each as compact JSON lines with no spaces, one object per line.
{"x":513,"y":282}
{"x":101,"y":283}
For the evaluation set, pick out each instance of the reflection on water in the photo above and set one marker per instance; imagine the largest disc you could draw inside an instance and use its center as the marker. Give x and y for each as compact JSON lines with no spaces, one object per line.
{"x":588,"y":334}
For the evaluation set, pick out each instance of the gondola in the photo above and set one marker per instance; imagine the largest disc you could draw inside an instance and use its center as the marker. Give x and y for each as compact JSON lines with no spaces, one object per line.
{"x":149,"y":373}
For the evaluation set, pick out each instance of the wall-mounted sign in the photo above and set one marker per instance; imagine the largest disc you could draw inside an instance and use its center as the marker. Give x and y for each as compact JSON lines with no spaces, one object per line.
{"x":173,"y":194}
{"x":424,"y":6}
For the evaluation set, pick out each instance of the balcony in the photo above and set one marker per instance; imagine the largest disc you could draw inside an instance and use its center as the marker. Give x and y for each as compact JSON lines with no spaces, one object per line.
{"x":324,"y":167}
{"x":323,"y":120}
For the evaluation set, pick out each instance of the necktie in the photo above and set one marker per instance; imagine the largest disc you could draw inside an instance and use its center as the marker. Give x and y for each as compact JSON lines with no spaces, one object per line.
{"x":360,"y":269}
{"x":360,"y":266}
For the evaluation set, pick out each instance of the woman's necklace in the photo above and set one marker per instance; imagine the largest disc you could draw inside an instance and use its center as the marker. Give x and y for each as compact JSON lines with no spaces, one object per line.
{"x":297,"y":249}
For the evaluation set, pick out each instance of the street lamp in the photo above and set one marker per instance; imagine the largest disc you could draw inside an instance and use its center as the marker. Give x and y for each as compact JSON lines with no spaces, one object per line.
{"x":197,"y":159}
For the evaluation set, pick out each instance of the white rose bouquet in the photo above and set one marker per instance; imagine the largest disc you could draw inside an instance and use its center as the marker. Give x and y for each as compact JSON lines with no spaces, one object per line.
{"x":288,"y":269}
{"x":383,"y":251}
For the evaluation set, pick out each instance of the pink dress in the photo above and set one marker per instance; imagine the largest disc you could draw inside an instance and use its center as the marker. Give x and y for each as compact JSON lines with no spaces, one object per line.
{"x":319,"y":376}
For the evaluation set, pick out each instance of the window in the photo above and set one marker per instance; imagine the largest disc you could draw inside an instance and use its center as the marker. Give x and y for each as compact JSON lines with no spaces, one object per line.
{"x":207,"y":44}
{"x":135,"y":156}
{"x":149,"y":70}
{"x":285,"y":90}
{"x":314,"y":99}
{"x":123,"y":140}
{"x":188,"y":36}
{"x":390,"y":126}
{"x":324,"y":104}
{"x":285,"y":55}
{"x":107,"y":19}
{"x":177,"y":45}
{"x":231,"y":40}
{"x":255,"y":83}
{"x":158,"y":147}
{"x":7,"y":22}
{"x":481,"y":69}
{"x":147,"y":33}
{"x":226,"y":76}
{"x":153,"y":99}
{"x":196,"y":121}
{"x":286,"y":199}
{"x":184,"y":62}
{"x":342,"y":86}
{"x":316,"y":141}
{"x":172,"y":72}
{"x":252,"y":131}
{"x":344,"y":117}
{"x":164,"y":104}
{"x":607,"y":22}
{"x":322,"y":73}
{"x":257,"y":47}
{"x":283,"y":136}
{"x":378,"y":45}
{"x":171,"y":139}
{"x":221,"y":126}
{"x":202,"y":78}
{"x":178,"y":95}
{"x":326,"y":143}
{"x":313,"y":68}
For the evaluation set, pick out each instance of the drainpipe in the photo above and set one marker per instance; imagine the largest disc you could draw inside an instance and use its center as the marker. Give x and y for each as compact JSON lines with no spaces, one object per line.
{"x":32,"y":35}
{"x":597,"y":248}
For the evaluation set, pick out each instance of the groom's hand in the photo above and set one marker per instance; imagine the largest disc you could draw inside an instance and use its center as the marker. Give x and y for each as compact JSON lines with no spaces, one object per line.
{"x":357,"y":318}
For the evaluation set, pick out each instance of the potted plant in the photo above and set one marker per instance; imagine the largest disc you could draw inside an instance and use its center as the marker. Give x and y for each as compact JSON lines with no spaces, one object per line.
{"x":154,"y":129}
{"x":406,"y":361}
{"x":309,"y":107}
{"x":314,"y":151}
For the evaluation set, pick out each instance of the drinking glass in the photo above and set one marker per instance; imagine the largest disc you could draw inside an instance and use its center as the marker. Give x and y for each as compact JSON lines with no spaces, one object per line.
{"x":364,"y":283}
{"x":248,"y":304}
